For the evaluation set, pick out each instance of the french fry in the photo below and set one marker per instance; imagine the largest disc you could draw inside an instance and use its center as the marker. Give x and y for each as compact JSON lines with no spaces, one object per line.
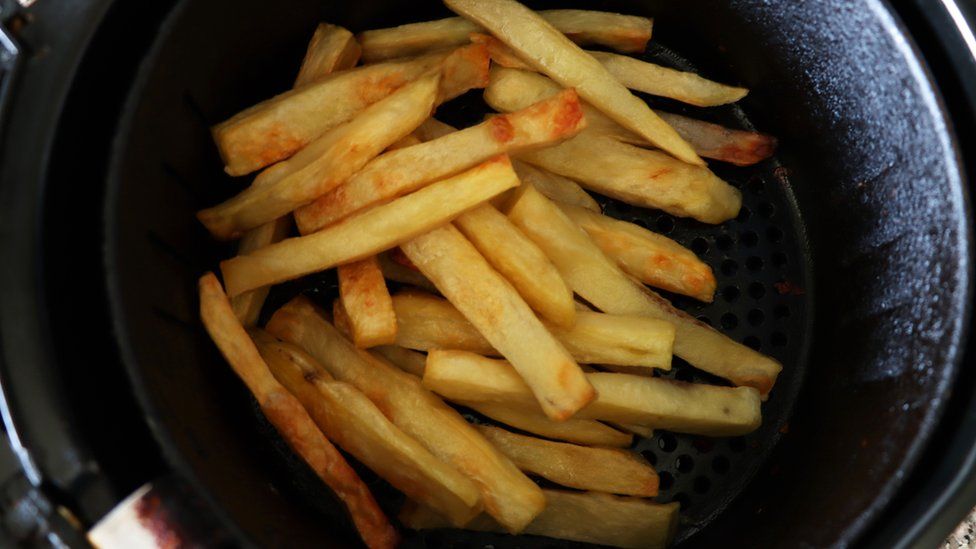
{"x":625,"y":33}
{"x":580,"y":431}
{"x":247,"y":306}
{"x":609,"y":470}
{"x":654,"y":402}
{"x":556,"y":187}
{"x":393,"y":270}
{"x":288,"y":417}
{"x":508,"y":495}
{"x":371,"y":231}
{"x":686,"y":87}
{"x":739,"y":147}
{"x":346,"y":416}
{"x":589,"y":517}
{"x":331,"y":49}
{"x":499,"y":52}
{"x":326,"y":162}
{"x":408,"y":360}
{"x":405,"y":170}
{"x":426,"y":322}
{"x":639,"y":430}
{"x":367,"y":302}
{"x":649,"y":257}
{"x":543,"y":47}
{"x":490,"y":303}
{"x":595,"y":278}
{"x":433,"y":128}
{"x":520,"y":261}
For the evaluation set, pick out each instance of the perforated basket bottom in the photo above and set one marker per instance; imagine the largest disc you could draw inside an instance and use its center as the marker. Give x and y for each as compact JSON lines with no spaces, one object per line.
{"x":761,"y":263}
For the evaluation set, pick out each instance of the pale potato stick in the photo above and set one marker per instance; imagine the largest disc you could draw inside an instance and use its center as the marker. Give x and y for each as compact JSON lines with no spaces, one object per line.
{"x":392,"y":270}
{"x":639,"y":430}
{"x":371,"y":231}
{"x":426,"y":322}
{"x":289,"y":418}
{"x":625,"y":33}
{"x":655,"y":402}
{"x":589,"y":517}
{"x":408,"y":360}
{"x":366,"y":300}
{"x":520,"y":261}
{"x":508,"y":495}
{"x":326,"y":162}
{"x":433,"y":128}
{"x":493,"y":306}
{"x":686,"y":87}
{"x":331,"y":49}
{"x":651,"y":258}
{"x":543,"y":47}
{"x":580,"y":431}
{"x":599,"y":281}
{"x":499,"y":52}
{"x":247,"y":306}
{"x":275,"y":129}
{"x":609,"y":470}
{"x":555,"y":186}
{"x":404,"y":170}
{"x":642,"y":177}
{"x":739,"y":147}
{"x":350,"y":419}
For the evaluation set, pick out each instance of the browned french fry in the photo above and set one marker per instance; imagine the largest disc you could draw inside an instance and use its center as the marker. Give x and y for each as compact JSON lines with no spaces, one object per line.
{"x":543,"y":47}
{"x":739,"y":147}
{"x":600,"y":282}
{"x":408,"y":360}
{"x":366,"y":300}
{"x":346,"y":416}
{"x":625,"y":33}
{"x":639,"y":430}
{"x":609,"y":470}
{"x":404,"y":170}
{"x":508,"y":495}
{"x":331,"y":49}
{"x":654,"y":402}
{"x":589,"y":517}
{"x":580,"y":431}
{"x":555,"y":186}
{"x":289,"y":418}
{"x":393,"y":270}
{"x":371,"y":231}
{"x":326,"y":162}
{"x":651,"y":258}
{"x":426,"y":322}
{"x":502,"y":316}
{"x":520,"y":261}
{"x":247,"y":306}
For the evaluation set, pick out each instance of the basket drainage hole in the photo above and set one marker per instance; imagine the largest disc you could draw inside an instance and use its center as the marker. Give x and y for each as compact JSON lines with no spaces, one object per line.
{"x":729,"y":267}
{"x":749,"y":238}
{"x":683,"y":500}
{"x":701,"y":485}
{"x":729,"y":321}
{"x":757,"y":290}
{"x":667,"y":442}
{"x":724,"y":242}
{"x":684,"y":463}
{"x":650,"y":456}
{"x":767,"y":210}
{"x":665,"y":224}
{"x":756,"y":317}
{"x":699,"y":246}
{"x":664,"y":481}
{"x":754,"y":263}
{"x":720,"y":465}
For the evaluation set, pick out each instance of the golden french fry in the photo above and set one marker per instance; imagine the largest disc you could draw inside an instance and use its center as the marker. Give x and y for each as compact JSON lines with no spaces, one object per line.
{"x":433,"y":128}
{"x":595,"y":278}
{"x":520,"y":261}
{"x":543,"y":47}
{"x":350,"y":419}
{"x":326,"y":162}
{"x":639,"y":430}
{"x":289,"y":418}
{"x":580,"y":431}
{"x":405,"y":170}
{"x":589,"y":517}
{"x":247,"y":306}
{"x":555,"y":186}
{"x":651,"y":258}
{"x":490,"y":303}
{"x":371,"y":231}
{"x":625,"y":33}
{"x":331,"y":49}
{"x":499,"y":52}
{"x":393,"y":270}
{"x":408,"y":360}
{"x":508,"y":495}
{"x":426,"y":322}
{"x":609,"y":470}
{"x":366,"y":300}
{"x":654,"y":402}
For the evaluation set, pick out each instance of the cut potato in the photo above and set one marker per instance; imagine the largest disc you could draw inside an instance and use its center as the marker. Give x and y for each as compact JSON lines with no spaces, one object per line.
{"x":609,"y":470}
{"x":331,"y":49}
{"x":288,"y":417}
{"x":371,"y":231}
{"x":649,"y":257}
{"x":490,"y":303}
{"x":405,"y":170}
{"x":555,"y":186}
{"x":595,"y":278}
{"x":580,"y":431}
{"x":739,"y":147}
{"x":625,"y":33}
{"x":367,"y":302}
{"x":408,"y":360}
{"x":350,"y":419}
{"x":426,"y":322}
{"x":520,"y":261}
{"x":543,"y":47}
{"x":639,"y":430}
{"x":588,"y":517}
{"x":247,"y":306}
{"x":654,"y":402}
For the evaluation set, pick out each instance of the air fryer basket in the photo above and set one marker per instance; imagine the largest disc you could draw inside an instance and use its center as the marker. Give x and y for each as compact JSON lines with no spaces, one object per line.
{"x":863,"y":203}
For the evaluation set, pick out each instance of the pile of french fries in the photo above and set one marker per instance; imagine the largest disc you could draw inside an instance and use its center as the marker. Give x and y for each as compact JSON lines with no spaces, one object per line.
{"x":517,"y":298}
